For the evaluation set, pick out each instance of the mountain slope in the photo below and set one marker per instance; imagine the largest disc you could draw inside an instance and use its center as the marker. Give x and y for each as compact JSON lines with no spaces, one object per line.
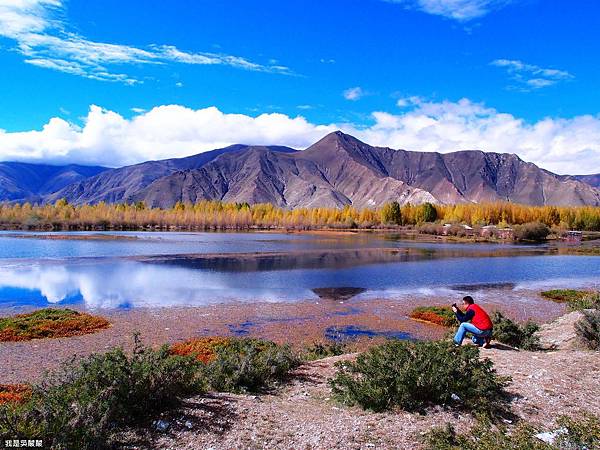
{"x":25,"y":181}
{"x":322,"y":176}
{"x":122,"y":184}
{"x":476,"y":176}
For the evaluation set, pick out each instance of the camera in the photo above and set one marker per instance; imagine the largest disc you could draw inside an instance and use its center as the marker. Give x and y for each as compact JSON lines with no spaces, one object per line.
{"x":455,"y":305}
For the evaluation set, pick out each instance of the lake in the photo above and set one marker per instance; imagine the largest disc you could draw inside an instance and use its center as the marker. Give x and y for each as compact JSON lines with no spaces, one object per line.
{"x":158,"y":270}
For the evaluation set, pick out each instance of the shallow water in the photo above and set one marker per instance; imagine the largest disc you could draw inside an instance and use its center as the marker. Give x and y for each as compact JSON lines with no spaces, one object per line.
{"x":272,"y":267}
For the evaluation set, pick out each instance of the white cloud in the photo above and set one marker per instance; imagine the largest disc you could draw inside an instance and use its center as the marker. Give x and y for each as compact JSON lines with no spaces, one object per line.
{"x":530,"y":76}
{"x":562,"y":145}
{"x":353,"y":93}
{"x":413,"y":100}
{"x":165,"y":131}
{"x":460,"y":10}
{"x":46,"y":42}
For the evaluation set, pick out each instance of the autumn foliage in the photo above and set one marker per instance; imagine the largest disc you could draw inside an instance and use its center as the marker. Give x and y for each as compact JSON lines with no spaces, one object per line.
{"x":49,"y":323}
{"x":206,"y":215}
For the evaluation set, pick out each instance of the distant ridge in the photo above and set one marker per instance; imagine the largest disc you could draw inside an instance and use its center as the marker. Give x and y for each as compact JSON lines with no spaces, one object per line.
{"x":592,"y":180}
{"x":25,"y":181}
{"x":337,"y":170}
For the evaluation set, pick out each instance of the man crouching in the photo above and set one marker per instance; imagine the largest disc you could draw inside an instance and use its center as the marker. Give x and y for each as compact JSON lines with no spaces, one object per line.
{"x":480,"y":326}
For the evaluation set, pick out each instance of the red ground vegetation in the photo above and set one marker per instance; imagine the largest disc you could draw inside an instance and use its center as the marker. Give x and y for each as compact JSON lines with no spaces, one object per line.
{"x":439,"y":315}
{"x":49,"y":323}
{"x":14,"y":393}
{"x":203,"y":349}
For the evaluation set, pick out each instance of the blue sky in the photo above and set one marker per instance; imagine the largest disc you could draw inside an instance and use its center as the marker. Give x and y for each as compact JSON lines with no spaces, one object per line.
{"x":91,"y":81}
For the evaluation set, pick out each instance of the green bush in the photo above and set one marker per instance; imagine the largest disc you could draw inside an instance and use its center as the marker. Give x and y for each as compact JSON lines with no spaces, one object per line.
{"x":483,"y":437}
{"x":516,"y":335}
{"x":319,"y":350}
{"x":578,"y":433}
{"x":588,"y":329}
{"x":531,"y":231}
{"x":413,"y":375}
{"x":80,"y":405}
{"x":582,"y":432}
{"x":249,"y":365}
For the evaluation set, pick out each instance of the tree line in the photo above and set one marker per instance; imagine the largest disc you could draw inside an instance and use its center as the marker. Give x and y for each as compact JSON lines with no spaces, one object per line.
{"x":220,"y":215}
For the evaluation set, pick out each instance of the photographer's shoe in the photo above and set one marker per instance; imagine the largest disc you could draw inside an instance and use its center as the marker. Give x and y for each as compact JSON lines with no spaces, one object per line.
{"x":487,"y":343}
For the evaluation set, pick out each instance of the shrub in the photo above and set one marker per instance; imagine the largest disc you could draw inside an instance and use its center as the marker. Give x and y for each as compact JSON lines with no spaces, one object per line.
{"x":248,"y":365}
{"x":514,"y":334}
{"x":581,"y":432}
{"x":319,"y":350}
{"x":483,"y":437}
{"x":413,"y":375}
{"x":587,"y":329}
{"x":431,"y":228}
{"x":49,"y":323}
{"x":440,"y":315}
{"x":531,"y":231}
{"x":82,"y":403}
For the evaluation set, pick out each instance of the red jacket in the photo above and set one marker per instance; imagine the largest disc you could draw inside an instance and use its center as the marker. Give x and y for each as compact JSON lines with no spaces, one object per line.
{"x":480,"y":318}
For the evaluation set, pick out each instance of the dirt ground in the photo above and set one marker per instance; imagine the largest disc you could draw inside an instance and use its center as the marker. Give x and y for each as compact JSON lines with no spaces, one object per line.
{"x":302,"y":415}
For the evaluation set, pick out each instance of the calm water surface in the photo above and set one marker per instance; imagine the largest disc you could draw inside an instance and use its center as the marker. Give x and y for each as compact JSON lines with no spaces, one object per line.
{"x":140,"y":270}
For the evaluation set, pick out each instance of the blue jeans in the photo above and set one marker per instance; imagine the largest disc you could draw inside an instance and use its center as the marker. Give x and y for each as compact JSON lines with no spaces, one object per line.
{"x":478,"y":335}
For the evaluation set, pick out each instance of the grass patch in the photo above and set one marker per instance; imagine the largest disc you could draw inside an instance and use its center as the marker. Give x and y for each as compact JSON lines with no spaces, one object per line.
{"x":576,"y":300}
{"x":83,"y":403}
{"x":517,"y":335}
{"x":581,"y":432}
{"x":564,"y":295}
{"x":14,"y":393}
{"x":414,"y":375}
{"x":49,"y":323}
{"x":439,"y":315}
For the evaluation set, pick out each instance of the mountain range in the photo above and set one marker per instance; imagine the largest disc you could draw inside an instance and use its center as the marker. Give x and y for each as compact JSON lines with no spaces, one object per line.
{"x":23,"y":181}
{"x":336,"y":171}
